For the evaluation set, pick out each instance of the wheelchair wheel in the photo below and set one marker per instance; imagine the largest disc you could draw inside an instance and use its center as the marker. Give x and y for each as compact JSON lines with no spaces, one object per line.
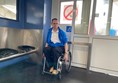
{"x":59,"y":76}
{"x":68,"y":63}
{"x":45,"y":65}
{"x":59,"y":64}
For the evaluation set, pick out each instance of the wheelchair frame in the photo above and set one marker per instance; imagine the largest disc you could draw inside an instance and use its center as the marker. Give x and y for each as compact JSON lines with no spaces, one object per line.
{"x":60,"y":62}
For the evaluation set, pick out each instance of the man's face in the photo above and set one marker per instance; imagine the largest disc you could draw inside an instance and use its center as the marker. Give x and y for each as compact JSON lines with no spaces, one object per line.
{"x":55,"y":24}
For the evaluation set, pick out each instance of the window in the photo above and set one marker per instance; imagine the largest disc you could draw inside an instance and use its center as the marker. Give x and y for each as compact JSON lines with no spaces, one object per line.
{"x":8,"y":9}
{"x":102,"y":21}
{"x":78,"y":24}
{"x":114,"y":23}
{"x":66,"y":14}
{"x":101,"y":16}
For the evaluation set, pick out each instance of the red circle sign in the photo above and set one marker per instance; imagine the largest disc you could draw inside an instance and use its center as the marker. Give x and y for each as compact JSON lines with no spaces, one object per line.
{"x":68,"y":12}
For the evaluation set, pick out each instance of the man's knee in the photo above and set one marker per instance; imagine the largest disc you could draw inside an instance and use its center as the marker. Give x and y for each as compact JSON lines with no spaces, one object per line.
{"x":55,"y":49}
{"x":58,"y":49}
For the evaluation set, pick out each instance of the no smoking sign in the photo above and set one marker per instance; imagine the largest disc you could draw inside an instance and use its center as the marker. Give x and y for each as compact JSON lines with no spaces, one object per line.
{"x":68,"y":12}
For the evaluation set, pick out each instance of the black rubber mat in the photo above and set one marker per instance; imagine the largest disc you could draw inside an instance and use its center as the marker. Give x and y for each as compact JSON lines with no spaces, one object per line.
{"x":5,"y":52}
{"x":25,"y":48}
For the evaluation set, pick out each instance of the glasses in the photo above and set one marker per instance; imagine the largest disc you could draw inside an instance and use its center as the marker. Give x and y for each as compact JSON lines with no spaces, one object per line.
{"x":55,"y":23}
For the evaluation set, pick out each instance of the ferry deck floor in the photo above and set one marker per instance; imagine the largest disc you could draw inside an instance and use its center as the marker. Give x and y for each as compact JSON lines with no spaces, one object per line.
{"x":31,"y":73}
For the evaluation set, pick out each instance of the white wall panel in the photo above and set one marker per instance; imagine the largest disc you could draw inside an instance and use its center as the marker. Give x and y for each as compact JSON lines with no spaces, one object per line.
{"x":105,"y":54}
{"x":80,"y":53}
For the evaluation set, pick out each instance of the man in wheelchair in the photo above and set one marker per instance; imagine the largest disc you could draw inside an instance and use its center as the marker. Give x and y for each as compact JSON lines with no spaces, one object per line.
{"x":56,"y":44}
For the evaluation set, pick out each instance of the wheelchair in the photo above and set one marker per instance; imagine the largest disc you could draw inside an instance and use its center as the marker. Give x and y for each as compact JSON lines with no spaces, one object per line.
{"x":60,"y":64}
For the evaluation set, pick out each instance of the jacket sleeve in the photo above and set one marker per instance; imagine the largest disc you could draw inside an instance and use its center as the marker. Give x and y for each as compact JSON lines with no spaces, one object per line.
{"x":65,"y":39}
{"x":48,"y":36}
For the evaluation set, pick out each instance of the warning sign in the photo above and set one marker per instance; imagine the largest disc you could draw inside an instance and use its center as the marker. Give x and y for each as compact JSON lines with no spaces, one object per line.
{"x":66,"y":12}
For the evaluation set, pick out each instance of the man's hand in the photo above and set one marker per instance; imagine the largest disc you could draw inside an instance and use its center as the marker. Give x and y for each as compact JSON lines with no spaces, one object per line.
{"x":46,"y":45}
{"x":66,"y":57}
{"x":66,"y":52}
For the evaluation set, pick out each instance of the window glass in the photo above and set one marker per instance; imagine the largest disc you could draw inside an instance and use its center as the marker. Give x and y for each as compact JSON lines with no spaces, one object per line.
{"x":8,"y":9}
{"x":114,"y":22}
{"x":101,"y":15}
{"x":81,"y":28}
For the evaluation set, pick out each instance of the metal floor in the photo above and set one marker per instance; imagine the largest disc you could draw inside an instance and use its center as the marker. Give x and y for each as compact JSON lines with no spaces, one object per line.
{"x":31,"y":73}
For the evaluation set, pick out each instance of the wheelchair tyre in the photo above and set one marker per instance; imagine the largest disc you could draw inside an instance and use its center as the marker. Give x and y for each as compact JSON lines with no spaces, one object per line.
{"x":59,"y":75}
{"x":59,"y":65}
{"x":68,"y":63}
{"x":45,"y":65}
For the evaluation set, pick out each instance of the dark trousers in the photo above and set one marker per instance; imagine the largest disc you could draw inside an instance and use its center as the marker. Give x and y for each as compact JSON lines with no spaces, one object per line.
{"x":52,"y":54}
